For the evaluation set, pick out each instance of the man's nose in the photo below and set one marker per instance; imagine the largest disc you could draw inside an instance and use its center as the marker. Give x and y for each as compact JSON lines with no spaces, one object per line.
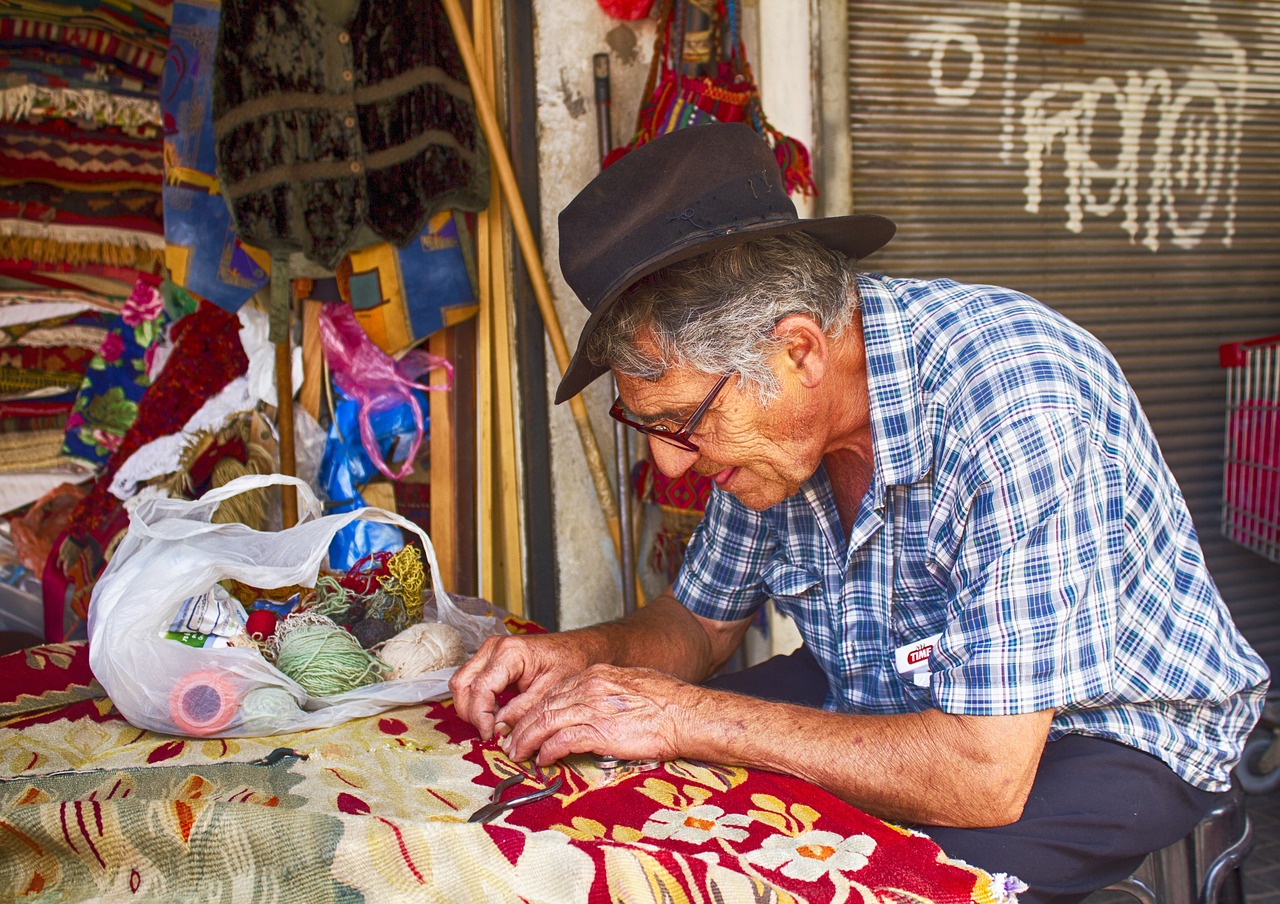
{"x":671,"y":460}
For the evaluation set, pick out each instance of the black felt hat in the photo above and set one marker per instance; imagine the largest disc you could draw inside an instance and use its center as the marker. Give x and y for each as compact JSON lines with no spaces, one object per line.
{"x":687,"y":192}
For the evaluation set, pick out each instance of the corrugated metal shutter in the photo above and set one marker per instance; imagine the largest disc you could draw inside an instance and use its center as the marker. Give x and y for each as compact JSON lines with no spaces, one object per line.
{"x":1119,"y":161}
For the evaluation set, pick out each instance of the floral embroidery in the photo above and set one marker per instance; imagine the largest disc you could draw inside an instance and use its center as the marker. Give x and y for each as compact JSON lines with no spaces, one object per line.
{"x":144,"y":306}
{"x":116,"y":379}
{"x":697,"y":824}
{"x":112,"y":348}
{"x":811,"y":855}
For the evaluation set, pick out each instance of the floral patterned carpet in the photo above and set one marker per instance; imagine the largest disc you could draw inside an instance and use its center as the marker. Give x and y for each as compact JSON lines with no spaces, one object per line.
{"x":376,"y":809}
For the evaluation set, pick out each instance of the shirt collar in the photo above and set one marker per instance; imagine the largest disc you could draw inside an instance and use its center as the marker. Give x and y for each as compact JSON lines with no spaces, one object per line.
{"x":903,"y":453}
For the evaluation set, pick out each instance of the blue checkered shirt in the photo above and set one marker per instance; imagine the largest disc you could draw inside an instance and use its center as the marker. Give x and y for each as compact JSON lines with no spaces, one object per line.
{"x":1021,"y":508}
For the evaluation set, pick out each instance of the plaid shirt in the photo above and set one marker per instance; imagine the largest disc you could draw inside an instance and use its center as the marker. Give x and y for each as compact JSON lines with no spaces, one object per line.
{"x":1021,"y":508}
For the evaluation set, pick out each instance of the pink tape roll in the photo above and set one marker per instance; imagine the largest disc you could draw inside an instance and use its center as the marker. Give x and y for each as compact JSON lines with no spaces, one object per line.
{"x":202,"y":702}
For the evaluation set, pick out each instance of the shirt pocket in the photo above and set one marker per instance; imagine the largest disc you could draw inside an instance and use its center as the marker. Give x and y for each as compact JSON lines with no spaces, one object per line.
{"x":792,"y":588}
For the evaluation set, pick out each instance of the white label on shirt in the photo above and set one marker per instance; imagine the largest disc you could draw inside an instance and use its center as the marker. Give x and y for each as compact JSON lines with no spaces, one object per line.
{"x":912,"y":659}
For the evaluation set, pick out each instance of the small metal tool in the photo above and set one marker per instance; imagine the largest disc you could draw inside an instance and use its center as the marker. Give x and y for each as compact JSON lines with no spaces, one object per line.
{"x":497,"y":806}
{"x":614,"y":765}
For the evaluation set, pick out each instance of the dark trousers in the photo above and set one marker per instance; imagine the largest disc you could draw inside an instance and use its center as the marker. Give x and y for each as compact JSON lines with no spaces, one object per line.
{"x":1095,"y":810}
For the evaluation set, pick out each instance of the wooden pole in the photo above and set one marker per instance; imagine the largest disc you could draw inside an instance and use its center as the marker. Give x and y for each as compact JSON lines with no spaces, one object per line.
{"x":506,"y":487}
{"x":487,"y":533}
{"x":529,"y":250}
{"x":284,"y":417}
{"x":312,"y":360}
{"x":444,"y":467}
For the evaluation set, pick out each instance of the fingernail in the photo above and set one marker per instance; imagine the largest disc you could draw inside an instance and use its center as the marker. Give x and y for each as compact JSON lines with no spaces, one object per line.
{"x":502,"y":729}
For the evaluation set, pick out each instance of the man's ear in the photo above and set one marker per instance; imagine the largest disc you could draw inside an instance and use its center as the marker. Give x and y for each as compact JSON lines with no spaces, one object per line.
{"x":806,"y":350}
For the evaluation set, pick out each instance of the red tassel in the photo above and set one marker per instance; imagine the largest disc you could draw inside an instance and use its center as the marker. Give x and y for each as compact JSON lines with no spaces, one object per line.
{"x":793,"y":159}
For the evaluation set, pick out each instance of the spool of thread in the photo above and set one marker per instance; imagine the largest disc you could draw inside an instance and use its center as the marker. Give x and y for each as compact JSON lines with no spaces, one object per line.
{"x":325,"y":659}
{"x":421,"y":648}
{"x":202,"y":702}
{"x":261,"y":624}
{"x":268,"y":710}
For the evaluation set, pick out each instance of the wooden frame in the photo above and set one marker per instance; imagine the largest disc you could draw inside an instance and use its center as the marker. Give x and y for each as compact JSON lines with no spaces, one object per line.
{"x":452,"y":445}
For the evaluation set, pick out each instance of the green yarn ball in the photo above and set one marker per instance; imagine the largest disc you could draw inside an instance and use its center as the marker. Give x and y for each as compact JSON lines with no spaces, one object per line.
{"x":327,"y":660}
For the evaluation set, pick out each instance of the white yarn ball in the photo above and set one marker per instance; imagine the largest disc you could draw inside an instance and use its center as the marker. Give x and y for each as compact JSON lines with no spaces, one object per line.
{"x":422,"y":648}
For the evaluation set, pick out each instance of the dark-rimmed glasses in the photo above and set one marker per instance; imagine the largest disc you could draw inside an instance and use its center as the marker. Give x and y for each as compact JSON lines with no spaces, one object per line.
{"x":679,"y":437}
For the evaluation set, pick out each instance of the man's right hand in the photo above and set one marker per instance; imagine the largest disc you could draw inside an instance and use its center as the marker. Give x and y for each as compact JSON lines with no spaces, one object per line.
{"x":532,"y":664}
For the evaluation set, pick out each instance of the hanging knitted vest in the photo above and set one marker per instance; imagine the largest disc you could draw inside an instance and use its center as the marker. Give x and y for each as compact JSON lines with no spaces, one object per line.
{"x":337,"y":128}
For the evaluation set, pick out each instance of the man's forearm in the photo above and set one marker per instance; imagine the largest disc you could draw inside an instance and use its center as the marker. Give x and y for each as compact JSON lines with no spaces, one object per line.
{"x":661,"y":635}
{"x":930,"y":767}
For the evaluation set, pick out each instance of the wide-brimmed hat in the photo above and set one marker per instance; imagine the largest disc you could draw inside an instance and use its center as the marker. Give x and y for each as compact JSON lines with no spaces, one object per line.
{"x":685,"y":193}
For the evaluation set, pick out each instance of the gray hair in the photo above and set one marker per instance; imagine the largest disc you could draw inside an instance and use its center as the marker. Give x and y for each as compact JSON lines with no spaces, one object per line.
{"x":716,"y":312}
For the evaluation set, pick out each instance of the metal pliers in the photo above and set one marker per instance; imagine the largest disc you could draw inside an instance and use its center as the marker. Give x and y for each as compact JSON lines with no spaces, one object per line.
{"x":497,"y":806}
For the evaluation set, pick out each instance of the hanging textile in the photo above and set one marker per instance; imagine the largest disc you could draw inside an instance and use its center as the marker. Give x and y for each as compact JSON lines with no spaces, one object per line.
{"x":402,"y":295}
{"x":117,"y":377}
{"x":201,"y":249}
{"x":336,"y":133}
{"x":700,"y":74}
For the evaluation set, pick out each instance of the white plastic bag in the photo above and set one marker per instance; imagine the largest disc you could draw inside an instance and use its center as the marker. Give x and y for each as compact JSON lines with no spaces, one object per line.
{"x":171,"y":552}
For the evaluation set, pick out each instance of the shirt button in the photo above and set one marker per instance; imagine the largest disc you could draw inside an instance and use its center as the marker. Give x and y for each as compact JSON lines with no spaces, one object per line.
{"x":344,"y":38}
{"x":349,"y":122}
{"x":355,"y":167}
{"x":346,"y":75}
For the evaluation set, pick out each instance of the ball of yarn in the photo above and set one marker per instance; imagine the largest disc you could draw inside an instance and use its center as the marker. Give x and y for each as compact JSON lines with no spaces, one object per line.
{"x":268,"y":710}
{"x":261,"y":624}
{"x":423,"y":648}
{"x":325,"y":659}
{"x":372,"y":631}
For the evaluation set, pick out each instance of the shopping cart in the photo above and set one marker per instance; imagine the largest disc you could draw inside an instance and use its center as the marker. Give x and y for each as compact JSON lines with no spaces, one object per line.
{"x":1251,"y":459}
{"x":1251,"y":507}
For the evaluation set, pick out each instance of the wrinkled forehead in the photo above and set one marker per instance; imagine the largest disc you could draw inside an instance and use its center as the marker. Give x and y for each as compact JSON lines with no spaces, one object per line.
{"x":678,"y":389}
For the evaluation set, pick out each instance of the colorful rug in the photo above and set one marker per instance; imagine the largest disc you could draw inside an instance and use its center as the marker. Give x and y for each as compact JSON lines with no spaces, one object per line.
{"x":81,"y":155}
{"x":377,"y":809}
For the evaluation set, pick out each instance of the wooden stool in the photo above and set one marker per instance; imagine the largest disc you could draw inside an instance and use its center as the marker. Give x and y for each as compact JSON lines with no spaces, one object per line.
{"x":1202,"y":868}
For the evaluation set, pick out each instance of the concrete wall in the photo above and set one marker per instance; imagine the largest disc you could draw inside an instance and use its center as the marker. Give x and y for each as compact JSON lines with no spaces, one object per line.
{"x":568,"y":34}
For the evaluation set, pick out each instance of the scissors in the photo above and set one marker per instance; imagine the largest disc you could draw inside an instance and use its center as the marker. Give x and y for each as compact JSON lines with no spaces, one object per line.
{"x":497,"y":806}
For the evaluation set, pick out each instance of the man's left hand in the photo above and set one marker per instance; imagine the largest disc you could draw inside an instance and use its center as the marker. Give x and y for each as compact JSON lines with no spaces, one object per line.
{"x":628,"y":713}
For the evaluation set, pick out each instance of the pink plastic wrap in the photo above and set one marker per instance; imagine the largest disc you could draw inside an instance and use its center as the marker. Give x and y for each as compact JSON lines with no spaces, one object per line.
{"x":367,"y":374}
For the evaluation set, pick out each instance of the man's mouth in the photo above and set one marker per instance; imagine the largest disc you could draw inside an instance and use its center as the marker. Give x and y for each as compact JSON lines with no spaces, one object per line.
{"x":722,"y":478}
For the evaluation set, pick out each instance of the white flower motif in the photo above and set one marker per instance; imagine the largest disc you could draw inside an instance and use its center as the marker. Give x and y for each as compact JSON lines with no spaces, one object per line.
{"x":813,"y":854}
{"x":697,"y":824}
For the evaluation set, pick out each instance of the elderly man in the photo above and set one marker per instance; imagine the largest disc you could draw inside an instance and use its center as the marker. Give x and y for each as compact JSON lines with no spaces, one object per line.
{"x":1011,"y":640}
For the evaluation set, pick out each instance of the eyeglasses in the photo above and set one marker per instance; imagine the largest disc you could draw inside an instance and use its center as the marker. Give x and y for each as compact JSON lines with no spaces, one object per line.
{"x":678,"y":438}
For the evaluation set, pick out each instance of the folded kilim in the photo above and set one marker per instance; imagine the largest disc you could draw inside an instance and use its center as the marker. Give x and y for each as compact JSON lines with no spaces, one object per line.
{"x":15,"y":380}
